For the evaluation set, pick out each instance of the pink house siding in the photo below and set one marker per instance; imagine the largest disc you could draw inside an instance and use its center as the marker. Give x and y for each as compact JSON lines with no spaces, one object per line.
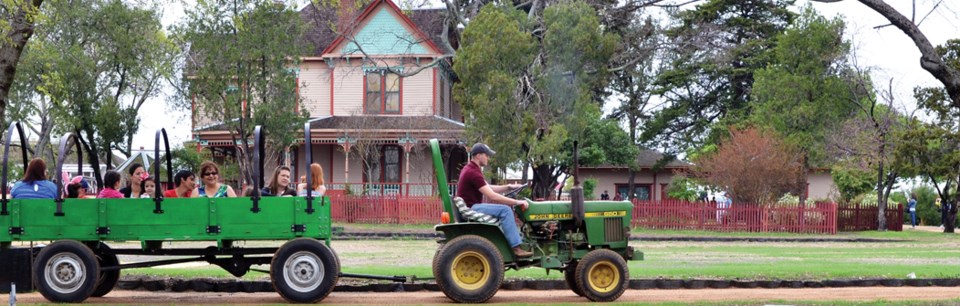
{"x":417,"y":93}
{"x":821,"y":186}
{"x":348,"y":88}
{"x":609,"y":178}
{"x":315,"y":87}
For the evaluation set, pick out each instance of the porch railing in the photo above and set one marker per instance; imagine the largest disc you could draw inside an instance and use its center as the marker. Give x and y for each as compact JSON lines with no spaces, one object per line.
{"x":389,"y":189}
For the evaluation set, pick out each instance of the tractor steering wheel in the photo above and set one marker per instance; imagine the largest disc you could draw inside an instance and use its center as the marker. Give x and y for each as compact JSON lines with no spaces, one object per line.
{"x":513,"y":193}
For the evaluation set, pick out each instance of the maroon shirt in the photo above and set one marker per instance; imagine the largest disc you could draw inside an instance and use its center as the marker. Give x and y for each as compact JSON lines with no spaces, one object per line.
{"x":471,"y":180}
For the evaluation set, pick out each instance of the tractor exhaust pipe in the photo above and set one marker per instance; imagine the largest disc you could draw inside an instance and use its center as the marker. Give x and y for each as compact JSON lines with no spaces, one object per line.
{"x":576,"y":194}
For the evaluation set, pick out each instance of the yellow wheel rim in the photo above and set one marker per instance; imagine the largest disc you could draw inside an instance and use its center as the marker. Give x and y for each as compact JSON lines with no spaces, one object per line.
{"x":470,"y":270}
{"x":603,"y":277}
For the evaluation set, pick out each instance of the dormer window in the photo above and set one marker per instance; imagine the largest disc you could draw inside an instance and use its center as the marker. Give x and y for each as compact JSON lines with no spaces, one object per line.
{"x":382,"y":92}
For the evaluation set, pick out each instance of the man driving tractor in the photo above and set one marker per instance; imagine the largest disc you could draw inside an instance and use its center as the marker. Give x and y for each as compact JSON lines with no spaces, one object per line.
{"x":472,"y":187}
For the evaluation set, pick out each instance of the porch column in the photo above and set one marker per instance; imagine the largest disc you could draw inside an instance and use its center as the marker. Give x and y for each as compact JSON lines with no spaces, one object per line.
{"x":407,"y":143}
{"x":345,"y":144}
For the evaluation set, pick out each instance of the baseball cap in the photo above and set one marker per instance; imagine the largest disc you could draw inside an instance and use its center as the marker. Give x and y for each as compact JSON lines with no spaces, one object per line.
{"x":79,"y":179}
{"x":482,"y":148}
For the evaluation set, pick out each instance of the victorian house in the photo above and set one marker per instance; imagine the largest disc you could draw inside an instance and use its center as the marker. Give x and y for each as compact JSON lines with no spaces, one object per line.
{"x":377,"y":89}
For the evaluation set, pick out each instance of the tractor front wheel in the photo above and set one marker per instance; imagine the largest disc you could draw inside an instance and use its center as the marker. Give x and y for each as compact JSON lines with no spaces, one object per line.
{"x":66,"y":272}
{"x":468,"y":269}
{"x":602,"y":275}
{"x":304,"y":270}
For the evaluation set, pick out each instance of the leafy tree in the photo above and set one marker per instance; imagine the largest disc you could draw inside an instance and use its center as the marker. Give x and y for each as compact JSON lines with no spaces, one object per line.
{"x":92,"y":66}
{"x":530,"y":86}
{"x":241,"y":60}
{"x":714,"y":52}
{"x":753,"y":166}
{"x":851,"y":182}
{"x":17,"y":21}
{"x":683,"y":188}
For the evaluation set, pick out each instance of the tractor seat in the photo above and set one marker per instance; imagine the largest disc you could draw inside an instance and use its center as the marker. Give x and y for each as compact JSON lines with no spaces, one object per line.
{"x":464,"y":213}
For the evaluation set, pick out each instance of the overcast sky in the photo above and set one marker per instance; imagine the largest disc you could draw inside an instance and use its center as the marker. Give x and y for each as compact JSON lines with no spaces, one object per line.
{"x":886,"y":51}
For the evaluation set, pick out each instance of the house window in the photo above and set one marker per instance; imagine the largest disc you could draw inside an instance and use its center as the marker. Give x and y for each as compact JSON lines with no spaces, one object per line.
{"x":386,"y":166}
{"x":382,"y":92}
{"x":640,"y":191}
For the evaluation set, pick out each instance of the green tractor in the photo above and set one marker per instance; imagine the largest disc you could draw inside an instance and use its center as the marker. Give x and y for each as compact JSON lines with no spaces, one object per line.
{"x":586,"y":241}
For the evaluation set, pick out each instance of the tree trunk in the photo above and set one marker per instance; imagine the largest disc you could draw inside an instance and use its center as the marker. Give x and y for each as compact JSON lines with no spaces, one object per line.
{"x":543,"y":181}
{"x":881,"y":199}
{"x":21,"y":24}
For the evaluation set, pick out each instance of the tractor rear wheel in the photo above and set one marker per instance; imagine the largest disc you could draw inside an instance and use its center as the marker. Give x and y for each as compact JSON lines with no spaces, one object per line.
{"x":66,"y":272}
{"x":569,"y":276}
{"x":468,"y":269}
{"x":602,"y":275}
{"x":304,"y":270}
{"x":108,"y":279}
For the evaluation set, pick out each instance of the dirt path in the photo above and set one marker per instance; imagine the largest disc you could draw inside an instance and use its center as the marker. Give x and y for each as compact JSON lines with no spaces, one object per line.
{"x":533,"y":297}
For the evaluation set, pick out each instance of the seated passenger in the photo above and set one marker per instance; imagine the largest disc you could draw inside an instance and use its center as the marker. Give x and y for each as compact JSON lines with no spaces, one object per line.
{"x":185,"y":183}
{"x":77,"y":188}
{"x":211,"y":186}
{"x":137,"y":174}
{"x":148,"y":187}
{"x":280,"y":184}
{"x":34,"y":184}
{"x":316,"y":182}
{"x":111,"y":182}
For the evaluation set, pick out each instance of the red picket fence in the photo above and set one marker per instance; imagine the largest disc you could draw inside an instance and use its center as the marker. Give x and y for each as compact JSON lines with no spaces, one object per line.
{"x":684,"y":215}
{"x":857,"y":217}
{"x":385,"y":209}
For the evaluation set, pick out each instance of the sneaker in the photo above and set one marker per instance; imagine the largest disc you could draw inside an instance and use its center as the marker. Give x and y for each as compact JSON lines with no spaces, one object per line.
{"x":517,"y":251}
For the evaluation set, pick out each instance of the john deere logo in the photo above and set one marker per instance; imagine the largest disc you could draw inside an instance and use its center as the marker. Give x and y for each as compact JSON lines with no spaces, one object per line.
{"x":550,"y":216}
{"x":620,"y":213}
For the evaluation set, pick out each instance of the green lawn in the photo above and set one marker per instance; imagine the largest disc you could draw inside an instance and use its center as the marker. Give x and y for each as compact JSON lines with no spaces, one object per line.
{"x":926,"y":254}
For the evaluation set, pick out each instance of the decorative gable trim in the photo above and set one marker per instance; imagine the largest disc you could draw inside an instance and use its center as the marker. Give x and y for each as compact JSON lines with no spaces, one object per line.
{"x":403,"y":18}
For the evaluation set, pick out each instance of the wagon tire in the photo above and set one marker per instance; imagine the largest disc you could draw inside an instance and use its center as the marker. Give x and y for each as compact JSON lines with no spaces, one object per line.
{"x":108,"y":279}
{"x":304,"y":270}
{"x":66,"y":272}
{"x":602,"y":275}
{"x":468,"y":269}
{"x":569,"y":276}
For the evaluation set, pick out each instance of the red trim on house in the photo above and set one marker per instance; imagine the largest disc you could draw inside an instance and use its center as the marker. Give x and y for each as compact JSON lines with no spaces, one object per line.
{"x":296,"y":103}
{"x":369,"y":10}
{"x":331,"y":91}
{"x":434,"y":91}
{"x":400,"y":108}
{"x":365,"y":93}
{"x":331,"y":164}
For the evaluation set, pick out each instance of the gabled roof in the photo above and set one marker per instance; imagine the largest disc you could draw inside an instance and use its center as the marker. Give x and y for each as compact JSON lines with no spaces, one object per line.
{"x":427,"y":23}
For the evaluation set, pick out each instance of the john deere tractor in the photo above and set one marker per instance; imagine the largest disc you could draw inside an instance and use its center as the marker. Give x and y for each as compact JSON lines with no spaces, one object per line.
{"x":586,"y":241}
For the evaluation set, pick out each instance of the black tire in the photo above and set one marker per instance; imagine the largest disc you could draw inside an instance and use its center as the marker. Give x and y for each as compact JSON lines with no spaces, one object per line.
{"x":66,"y":272}
{"x":569,"y":276}
{"x":468,"y":269}
{"x":108,"y":279}
{"x":304,"y":270}
{"x":602,"y":275}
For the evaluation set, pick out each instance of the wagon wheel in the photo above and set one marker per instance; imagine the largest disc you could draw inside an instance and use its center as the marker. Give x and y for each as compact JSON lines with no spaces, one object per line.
{"x":569,"y":276}
{"x":602,"y":275}
{"x":468,"y":269}
{"x":108,"y":279}
{"x":66,"y":272}
{"x":304,"y":270}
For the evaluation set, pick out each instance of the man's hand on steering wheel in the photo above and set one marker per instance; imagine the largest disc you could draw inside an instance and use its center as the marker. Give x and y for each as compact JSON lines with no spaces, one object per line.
{"x":522,"y":204}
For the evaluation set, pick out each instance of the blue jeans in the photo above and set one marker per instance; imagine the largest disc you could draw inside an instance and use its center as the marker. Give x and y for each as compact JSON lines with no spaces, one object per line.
{"x":507,"y":222}
{"x":913,"y":218}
